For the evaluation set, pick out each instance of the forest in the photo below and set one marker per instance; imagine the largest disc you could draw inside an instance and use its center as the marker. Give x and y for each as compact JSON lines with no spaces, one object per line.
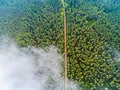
{"x":93,"y":35}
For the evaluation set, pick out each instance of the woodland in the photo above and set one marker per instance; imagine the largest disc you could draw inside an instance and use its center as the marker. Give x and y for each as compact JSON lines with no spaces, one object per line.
{"x":93,"y":35}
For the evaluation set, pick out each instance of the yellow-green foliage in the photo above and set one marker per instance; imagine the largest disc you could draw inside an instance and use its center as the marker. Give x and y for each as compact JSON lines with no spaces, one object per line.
{"x":92,"y":38}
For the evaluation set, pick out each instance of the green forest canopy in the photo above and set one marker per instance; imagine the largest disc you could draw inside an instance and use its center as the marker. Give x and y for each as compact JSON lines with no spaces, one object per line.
{"x":93,"y":32}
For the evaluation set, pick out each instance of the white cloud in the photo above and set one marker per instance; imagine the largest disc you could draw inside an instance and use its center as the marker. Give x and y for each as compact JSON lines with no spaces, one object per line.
{"x":30,"y":69}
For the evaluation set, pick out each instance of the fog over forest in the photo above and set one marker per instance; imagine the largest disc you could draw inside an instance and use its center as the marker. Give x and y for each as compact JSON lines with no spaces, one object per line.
{"x":32,"y":44}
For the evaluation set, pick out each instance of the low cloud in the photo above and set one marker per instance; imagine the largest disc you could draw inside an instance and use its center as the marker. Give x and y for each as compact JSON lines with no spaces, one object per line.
{"x":30,"y":68}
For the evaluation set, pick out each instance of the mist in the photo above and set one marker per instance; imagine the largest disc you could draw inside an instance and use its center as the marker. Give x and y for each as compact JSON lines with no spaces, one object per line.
{"x":30,"y":68}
